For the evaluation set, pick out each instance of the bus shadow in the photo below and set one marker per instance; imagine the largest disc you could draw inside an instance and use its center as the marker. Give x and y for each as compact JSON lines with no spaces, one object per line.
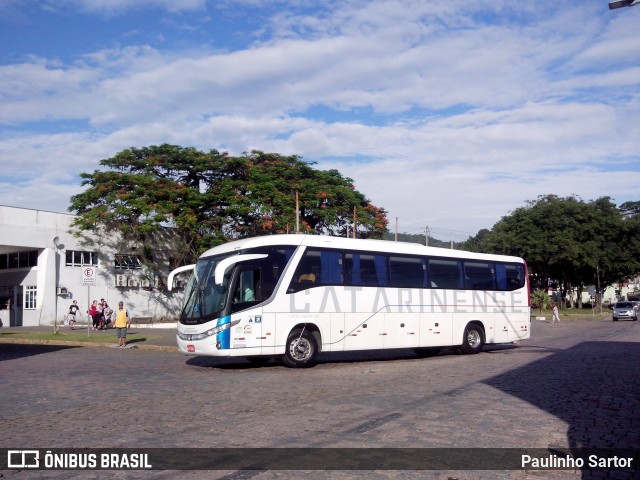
{"x":324,"y":358}
{"x":499,"y":347}
{"x":329,"y":358}
{"x":594,"y":387}
{"x":14,"y":351}
{"x":233,"y":363}
{"x":359,"y":356}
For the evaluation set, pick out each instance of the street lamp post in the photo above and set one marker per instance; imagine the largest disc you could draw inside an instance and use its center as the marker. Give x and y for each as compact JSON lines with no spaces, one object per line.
{"x":622,"y":3}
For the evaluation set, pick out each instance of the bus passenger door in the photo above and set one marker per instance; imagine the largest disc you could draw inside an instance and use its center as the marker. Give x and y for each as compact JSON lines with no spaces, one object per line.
{"x":248,"y":292}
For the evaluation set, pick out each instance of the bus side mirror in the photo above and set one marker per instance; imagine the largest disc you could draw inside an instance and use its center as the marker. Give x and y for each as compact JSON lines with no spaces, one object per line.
{"x":175,"y":272}
{"x":224,"y":265}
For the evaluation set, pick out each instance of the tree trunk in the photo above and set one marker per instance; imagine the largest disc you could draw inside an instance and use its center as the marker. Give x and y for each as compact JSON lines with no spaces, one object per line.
{"x":572,"y":300}
{"x":579,"y":299}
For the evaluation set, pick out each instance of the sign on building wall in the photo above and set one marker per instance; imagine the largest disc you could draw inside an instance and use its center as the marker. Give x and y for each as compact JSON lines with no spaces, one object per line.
{"x":89,"y":276}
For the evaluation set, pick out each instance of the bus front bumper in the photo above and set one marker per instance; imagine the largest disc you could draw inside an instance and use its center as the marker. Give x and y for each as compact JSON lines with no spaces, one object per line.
{"x":206,"y":346}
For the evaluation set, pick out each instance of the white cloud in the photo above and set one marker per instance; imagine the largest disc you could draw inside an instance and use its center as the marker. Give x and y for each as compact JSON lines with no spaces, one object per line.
{"x":447,"y":114}
{"x":119,"y":6}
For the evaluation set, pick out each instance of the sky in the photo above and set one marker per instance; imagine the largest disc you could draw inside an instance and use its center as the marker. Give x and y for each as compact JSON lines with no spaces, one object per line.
{"x":448,"y":114}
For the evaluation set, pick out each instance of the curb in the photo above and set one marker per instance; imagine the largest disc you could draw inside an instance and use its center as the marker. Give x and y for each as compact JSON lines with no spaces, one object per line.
{"x":155,"y":325}
{"x":65,"y":343}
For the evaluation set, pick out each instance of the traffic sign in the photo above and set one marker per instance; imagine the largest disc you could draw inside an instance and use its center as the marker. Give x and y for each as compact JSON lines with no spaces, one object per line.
{"x":88,"y":276}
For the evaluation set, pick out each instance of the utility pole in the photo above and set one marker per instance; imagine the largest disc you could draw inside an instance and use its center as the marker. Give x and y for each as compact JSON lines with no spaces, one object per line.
{"x":426,"y":236}
{"x":297,"y":214}
{"x":354,"y":222}
{"x":599,"y":293}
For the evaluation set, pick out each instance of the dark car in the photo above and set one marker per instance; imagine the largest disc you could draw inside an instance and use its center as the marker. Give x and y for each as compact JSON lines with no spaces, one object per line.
{"x":622,"y":310}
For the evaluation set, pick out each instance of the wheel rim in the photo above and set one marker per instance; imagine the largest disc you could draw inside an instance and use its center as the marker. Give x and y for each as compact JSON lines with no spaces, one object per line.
{"x":473,"y":338}
{"x":300,"y":349}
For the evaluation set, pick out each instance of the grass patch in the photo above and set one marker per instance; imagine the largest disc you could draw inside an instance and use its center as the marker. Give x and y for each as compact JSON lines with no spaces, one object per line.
{"x":77,"y":336}
{"x":574,"y":314}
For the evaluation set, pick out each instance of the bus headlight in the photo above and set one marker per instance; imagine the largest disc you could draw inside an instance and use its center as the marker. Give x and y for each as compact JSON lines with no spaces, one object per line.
{"x":209,"y":333}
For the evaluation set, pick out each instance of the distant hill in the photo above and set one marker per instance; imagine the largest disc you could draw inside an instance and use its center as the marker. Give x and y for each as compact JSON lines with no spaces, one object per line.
{"x":417,"y":238}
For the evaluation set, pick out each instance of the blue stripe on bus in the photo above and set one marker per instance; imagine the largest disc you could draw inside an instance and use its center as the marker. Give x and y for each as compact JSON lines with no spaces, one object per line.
{"x":224,"y":337}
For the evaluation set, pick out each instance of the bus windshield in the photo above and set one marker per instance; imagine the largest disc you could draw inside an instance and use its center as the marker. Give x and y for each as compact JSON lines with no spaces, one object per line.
{"x":204,"y":300}
{"x":249,"y":279}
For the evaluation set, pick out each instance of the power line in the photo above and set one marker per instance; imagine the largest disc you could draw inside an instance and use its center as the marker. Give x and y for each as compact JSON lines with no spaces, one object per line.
{"x":438,"y":233}
{"x":453,"y":232}
{"x":444,"y":231}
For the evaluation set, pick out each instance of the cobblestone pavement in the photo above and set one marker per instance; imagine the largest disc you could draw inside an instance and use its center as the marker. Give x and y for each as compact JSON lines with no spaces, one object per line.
{"x":576,"y":384}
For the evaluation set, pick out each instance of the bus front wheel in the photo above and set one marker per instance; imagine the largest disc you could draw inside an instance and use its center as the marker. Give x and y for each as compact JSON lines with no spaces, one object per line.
{"x":472,"y":339}
{"x":301,"y":350}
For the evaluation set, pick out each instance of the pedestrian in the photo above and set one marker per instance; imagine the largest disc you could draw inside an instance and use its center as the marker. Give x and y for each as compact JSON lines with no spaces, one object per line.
{"x":94,"y":313}
{"x":105,"y":313}
{"x":121,"y":324}
{"x":556,"y":314}
{"x":73,"y":309}
{"x":109,"y":318}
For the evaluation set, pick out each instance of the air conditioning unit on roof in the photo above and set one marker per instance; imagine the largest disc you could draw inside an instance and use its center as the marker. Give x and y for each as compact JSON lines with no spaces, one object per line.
{"x":133,"y":282}
{"x":62,"y":291}
{"x":121,"y":281}
{"x":145,"y":282}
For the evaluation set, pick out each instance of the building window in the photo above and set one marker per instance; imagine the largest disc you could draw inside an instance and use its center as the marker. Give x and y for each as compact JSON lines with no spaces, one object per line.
{"x":127,"y":262}
{"x":19,"y":260}
{"x":30,"y":297}
{"x":77,"y":258}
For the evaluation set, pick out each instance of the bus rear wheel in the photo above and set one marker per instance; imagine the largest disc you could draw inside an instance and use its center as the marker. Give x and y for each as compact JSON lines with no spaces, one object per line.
{"x":301,"y":350}
{"x":472,"y":339}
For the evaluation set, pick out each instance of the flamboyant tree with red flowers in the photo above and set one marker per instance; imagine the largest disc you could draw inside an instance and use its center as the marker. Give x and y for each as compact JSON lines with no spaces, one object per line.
{"x":202,"y":199}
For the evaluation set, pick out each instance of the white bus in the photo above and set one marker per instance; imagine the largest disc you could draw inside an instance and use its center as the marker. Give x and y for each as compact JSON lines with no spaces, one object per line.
{"x":293,"y":296}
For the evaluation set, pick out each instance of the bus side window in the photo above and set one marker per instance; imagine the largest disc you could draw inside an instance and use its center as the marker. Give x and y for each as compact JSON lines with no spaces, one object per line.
{"x":331,"y":270}
{"x":249,"y":288}
{"x":363,"y":269}
{"x":509,"y":276}
{"x":445,"y":273}
{"x":479,"y":275}
{"x":307,"y":273}
{"x":406,"y":272}
{"x":317,"y":267}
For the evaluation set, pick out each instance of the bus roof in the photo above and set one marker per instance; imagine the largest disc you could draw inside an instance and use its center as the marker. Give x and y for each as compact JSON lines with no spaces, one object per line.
{"x":382,"y":246}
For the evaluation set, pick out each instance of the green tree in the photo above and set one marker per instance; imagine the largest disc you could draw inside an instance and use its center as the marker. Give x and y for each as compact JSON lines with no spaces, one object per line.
{"x":567,"y":240}
{"x":477,"y":243}
{"x":540,"y":299}
{"x":196,"y":200}
{"x":258,"y":195}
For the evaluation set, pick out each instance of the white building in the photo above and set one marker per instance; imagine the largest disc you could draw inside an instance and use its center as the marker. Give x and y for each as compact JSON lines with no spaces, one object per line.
{"x":41,"y":273}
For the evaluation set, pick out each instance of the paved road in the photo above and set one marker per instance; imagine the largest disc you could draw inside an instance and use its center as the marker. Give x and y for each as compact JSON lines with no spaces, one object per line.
{"x":576,"y":384}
